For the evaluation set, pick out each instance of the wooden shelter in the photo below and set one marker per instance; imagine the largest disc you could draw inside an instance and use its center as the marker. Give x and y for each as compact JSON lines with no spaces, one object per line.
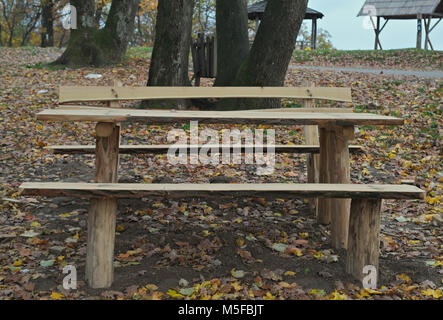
{"x":422,"y":10}
{"x":256,"y":10}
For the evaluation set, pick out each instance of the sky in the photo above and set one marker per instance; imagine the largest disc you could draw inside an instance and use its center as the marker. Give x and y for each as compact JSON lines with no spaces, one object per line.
{"x":349,"y":33}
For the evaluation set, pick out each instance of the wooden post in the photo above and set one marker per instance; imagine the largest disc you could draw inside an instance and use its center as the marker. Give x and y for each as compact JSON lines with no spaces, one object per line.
{"x":103,"y":211}
{"x":313,"y":165}
{"x":377,"y":34}
{"x":364,"y":232}
{"x":419,"y":31}
{"x":426,"y":32}
{"x":314,"y":34}
{"x":335,"y":168}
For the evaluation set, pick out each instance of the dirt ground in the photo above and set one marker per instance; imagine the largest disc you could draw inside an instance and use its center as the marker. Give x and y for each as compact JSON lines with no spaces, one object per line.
{"x":250,"y":248}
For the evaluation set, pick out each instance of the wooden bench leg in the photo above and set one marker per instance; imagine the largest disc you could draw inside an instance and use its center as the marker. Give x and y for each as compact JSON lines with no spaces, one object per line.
{"x":364,"y":232}
{"x":335,"y":168}
{"x":103,"y":211}
{"x":313,"y":165}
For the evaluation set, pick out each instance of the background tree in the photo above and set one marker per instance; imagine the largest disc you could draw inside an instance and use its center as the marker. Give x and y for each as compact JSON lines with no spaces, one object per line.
{"x":170,"y":55}
{"x":47,"y":27}
{"x":232,"y":39}
{"x":145,"y":23}
{"x":267,"y":62}
{"x":91,"y":46}
{"x":18,"y":20}
{"x":323,"y":37}
{"x":203,"y":20}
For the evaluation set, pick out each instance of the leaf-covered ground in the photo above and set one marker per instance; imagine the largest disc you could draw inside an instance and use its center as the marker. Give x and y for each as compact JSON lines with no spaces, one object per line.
{"x":386,"y":59}
{"x":250,"y":248}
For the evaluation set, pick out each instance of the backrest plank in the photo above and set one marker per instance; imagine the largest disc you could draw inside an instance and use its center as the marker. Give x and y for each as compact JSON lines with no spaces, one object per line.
{"x":80,"y":94}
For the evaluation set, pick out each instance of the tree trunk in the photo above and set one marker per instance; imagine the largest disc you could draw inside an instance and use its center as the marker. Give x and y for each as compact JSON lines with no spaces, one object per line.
{"x":88,"y":46}
{"x":232,"y":39}
{"x":120,"y":25}
{"x":170,"y":56}
{"x":47,"y":35}
{"x":268,"y":60}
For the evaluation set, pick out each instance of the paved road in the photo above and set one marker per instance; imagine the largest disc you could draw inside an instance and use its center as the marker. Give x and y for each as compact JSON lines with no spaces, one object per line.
{"x":435,"y":74}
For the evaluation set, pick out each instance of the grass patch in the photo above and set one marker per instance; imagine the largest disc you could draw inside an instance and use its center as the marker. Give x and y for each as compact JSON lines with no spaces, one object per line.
{"x":139,"y":53}
{"x":399,"y":58}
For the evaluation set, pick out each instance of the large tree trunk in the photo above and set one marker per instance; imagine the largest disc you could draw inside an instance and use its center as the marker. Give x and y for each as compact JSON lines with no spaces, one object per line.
{"x":268,"y":60}
{"x":47,"y":35}
{"x":88,"y":46}
{"x":232,"y":39}
{"x":120,"y":25}
{"x":170,"y":56}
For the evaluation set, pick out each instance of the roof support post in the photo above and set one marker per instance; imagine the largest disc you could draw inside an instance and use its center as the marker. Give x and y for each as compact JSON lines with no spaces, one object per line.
{"x":427,"y":23}
{"x":314,"y":34}
{"x":419,"y":30}
{"x":377,"y":31}
{"x":428,"y":30}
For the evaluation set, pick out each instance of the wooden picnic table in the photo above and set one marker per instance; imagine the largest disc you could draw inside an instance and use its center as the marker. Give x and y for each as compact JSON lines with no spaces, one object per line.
{"x":336,"y":130}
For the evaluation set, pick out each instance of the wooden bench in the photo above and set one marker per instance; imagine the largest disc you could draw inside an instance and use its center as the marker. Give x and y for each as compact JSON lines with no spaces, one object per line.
{"x":364,"y":231}
{"x":336,"y":130}
{"x":308,"y":96}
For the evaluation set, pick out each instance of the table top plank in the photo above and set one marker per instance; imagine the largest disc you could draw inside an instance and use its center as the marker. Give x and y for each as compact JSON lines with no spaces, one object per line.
{"x":133,"y":190}
{"x":217,"y":117}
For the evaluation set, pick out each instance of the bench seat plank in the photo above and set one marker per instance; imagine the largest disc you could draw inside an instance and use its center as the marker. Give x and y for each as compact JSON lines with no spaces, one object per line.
{"x":162,"y":149}
{"x":95,"y":93}
{"x":218,"y":117}
{"x":125,"y":190}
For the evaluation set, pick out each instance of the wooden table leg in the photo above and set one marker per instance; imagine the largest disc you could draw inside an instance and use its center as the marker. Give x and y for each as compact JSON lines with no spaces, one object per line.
{"x":364,"y":233}
{"x":313,"y":163}
{"x":335,"y":168}
{"x":103,"y":211}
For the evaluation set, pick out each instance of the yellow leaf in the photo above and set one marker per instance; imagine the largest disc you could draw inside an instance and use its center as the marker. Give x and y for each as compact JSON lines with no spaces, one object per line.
{"x":217,"y":296}
{"x":56,"y":296}
{"x":404,"y":277}
{"x":174,"y":294}
{"x":372,"y":291}
{"x":236,"y":286}
{"x":304,"y":234}
{"x":240,"y":242}
{"x":269,"y":296}
{"x":284,"y":284}
{"x":431,"y":292}
{"x":289,"y":273}
{"x":35,"y":224}
{"x":157,"y":295}
{"x":18,"y":263}
{"x":151,"y":287}
{"x":338,"y":296}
